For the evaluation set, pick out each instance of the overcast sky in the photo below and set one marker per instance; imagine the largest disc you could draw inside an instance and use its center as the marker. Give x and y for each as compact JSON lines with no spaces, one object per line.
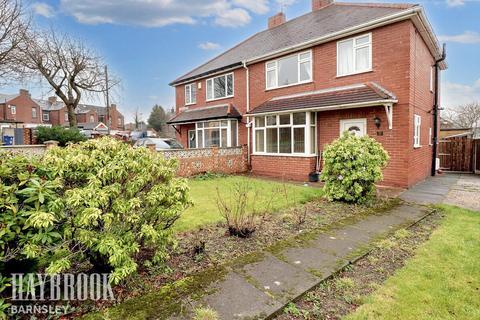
{"x":148,"y":43}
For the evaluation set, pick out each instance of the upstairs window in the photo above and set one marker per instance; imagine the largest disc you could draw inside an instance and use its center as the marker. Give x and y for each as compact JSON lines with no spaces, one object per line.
{"x":190,"y":94}
{"x":66,"y":116}
{"x":34,"y":112}
{"x":291,"y":70}
{"x":46,"y":116}
{"x":13,"y":109}
{"x":220,"y":87}
{"x":354,"y":55}
{"x":417,"y":123}
{"x":92,"y":118}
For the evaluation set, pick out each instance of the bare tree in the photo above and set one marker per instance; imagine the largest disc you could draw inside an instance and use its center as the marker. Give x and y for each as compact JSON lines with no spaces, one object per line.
{"x":72,"y":69}
{"x":465,"y":116}
{"x":13,"y":25}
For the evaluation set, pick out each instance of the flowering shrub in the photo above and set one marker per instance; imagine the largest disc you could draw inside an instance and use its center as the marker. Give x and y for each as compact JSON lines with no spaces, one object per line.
{"x":352,"y":166}
{"x":98,"y":201}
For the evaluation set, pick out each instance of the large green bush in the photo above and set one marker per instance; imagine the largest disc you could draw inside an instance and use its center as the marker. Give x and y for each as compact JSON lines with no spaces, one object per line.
{"x":352,"y":166}
{"x":60,"y":134}
{"x":98,"y":201}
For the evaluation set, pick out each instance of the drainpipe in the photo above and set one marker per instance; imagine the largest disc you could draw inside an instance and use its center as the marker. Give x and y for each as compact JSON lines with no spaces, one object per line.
{"x":435,"y":111}
{"x":248,"y":109}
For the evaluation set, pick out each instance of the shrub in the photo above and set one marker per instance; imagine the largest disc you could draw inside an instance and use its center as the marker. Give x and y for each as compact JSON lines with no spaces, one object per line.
{"x":205,"y":314}
{"x":115,"y":200}
{"x":352,"y":166}
{"x":60,"y":134}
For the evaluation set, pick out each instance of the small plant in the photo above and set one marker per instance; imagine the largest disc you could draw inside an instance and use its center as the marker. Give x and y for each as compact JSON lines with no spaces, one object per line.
{"x":345,"y":283}
{"x":291,"y":309}
{"x":240,"y":221}
{"x":205,"y":314}
{"x":352,"y":166}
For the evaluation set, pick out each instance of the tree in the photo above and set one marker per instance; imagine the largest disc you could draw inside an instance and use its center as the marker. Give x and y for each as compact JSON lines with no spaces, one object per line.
{"x":71,"y":68}
{"x":465,"y":116}
{"x":60,"y":134}
{"x":13,"y":26}
{"x":157,"y":119}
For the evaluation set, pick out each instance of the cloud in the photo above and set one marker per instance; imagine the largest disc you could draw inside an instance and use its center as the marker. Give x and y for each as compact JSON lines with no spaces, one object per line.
{"x":256,"y":6}
{"x":468,"y":37}
{"x":455,"y":3}
{"x":209,"y":46}
{"x":43,"y":9}
{"x":158,"y":13}
{"x":455,"y":94}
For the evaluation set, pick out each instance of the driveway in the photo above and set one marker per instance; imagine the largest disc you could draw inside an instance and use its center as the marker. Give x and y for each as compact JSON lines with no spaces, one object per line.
{"x":466,"y":192}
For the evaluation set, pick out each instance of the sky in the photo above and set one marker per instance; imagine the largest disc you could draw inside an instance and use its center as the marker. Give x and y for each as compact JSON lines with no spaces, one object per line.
{"x":148,"y":43}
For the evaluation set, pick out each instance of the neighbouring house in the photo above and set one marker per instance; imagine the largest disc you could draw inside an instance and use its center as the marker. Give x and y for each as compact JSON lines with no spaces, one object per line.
{"x":54,"y":112}
{"x":289,"y":90}
{"x":448,"y":128}
{"x":19,"y":113}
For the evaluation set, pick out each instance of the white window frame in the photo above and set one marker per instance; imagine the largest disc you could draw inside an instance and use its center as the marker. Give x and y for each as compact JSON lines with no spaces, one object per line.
{"x":34,"y":113}
{"x":194,"y":131}
{"x":65,"y":116}
{"x":417,"y":130}
{"x":190,"y":94}
{"x":226,"y":87}
{"x":274,"y":67}
{"x":354,"y":58}
{"x":202,"y":128}
{"x":430,"y":136}
{"x":13,"y":109}
{"x":307,"y":143}
{"x":46,"y":116}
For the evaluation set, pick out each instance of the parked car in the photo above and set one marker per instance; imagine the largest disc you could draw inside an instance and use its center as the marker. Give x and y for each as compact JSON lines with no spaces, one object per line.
{"x":160,"y":143}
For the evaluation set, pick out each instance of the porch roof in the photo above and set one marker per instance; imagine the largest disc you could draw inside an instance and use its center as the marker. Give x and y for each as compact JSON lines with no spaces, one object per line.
{"x":206,"y":113}
{"x":354,"y":96}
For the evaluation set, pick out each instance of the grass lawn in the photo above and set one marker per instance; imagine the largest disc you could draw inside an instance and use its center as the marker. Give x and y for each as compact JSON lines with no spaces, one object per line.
{"x":270,"y":196}
{"x":442,"y":281}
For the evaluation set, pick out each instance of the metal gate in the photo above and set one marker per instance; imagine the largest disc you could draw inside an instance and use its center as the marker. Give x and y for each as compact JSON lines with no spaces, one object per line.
{"x":456,"y":154}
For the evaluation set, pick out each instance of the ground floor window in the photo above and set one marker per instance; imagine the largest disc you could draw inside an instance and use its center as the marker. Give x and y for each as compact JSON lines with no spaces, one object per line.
{"x":288,"y":133}
{"x":219,"y":133}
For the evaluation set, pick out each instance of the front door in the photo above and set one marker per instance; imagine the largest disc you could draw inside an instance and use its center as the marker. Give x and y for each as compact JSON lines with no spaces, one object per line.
{"x":357,"y":127}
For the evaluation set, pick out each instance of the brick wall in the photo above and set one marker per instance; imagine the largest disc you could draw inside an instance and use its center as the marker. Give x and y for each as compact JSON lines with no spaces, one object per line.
{"x":217,"y":160}
{"x":288,"y":168}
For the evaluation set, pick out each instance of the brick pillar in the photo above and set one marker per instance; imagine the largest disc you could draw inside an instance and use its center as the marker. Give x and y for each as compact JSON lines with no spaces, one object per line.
{"x":51,"y":144}
{"x":215,"y":159}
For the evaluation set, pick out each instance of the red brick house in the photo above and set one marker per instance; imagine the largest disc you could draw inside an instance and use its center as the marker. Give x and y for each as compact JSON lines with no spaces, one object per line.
{"x":20,"y":108}
{"x":294,"y":87}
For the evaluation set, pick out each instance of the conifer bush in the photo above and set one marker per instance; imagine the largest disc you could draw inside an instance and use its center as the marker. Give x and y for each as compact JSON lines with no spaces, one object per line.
{"x":352,"y":166}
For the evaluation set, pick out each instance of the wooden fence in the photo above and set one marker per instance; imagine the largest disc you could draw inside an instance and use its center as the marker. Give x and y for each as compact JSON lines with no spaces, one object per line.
{"x":456,"y":154}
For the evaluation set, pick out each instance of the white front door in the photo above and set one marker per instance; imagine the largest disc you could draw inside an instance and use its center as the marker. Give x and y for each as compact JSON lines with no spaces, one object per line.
{"x":357,"y":127}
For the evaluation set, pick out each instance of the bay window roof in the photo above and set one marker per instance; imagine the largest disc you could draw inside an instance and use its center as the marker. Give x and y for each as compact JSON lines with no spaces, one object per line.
{"x":206,"y":113}
{"x":363,"y":94}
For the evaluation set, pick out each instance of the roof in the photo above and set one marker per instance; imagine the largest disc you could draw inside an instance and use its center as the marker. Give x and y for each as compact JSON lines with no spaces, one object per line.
{"x":92,"y":126}
{"x":206,"y":113}
{"x":45,"y":105}
{"x":5,"y":97}
{"x":330,"y":20}
{"x":333,"y":98}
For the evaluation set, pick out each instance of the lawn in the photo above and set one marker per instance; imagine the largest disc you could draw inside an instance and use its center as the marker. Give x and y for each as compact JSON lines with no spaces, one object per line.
{"x":270,"y":196}
{"x":442,"y":281}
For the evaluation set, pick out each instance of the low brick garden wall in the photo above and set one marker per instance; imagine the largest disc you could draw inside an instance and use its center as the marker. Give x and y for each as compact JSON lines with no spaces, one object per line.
{"x":27,"y":150}
{"x":216,"y":160}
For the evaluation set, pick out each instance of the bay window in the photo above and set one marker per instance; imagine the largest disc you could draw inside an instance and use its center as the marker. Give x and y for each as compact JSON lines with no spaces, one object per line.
{"x":354,"y":55}
{"x":220,"y":87}
{"x":190,"y":93}
{"x":291,"y":70}
{"x":219,"y":133}
{"x":289,"y":133}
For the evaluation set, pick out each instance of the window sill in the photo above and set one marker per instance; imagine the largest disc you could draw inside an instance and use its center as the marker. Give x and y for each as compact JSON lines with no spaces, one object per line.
{"x":354,"y":73}
{"x":289,"y":85}
{"x":417,"y":147}
{"x":190,"y":104}
{"x":296,"y":155}
{"x":229,"y":97}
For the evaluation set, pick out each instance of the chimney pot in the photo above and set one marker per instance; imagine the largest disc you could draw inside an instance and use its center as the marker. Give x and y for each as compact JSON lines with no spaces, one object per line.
{"x":320,"y":4}
{"x":276,"y":20}
{"x":52,"y":99}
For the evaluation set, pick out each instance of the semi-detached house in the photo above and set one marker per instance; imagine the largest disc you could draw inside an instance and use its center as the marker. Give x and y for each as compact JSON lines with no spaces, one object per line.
{"x":289,"y":90}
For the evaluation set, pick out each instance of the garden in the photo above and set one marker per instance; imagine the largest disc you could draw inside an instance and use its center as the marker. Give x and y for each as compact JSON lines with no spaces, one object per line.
{"x":100,"y":206}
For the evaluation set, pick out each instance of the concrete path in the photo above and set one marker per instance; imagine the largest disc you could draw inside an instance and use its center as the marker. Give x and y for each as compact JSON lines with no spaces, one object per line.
{"x":466,"y":192}
{"x":262,"y":288}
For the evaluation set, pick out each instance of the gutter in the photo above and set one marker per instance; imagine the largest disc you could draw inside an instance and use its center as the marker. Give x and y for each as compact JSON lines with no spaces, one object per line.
{"x":435,"y":111}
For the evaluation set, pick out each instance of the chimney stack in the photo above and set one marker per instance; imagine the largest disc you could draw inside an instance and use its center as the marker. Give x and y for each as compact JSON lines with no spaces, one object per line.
{"x":24,"y":92}
{"x":52,"y":99}
{"x":320,"y":4}
{"x":276,"y":20}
